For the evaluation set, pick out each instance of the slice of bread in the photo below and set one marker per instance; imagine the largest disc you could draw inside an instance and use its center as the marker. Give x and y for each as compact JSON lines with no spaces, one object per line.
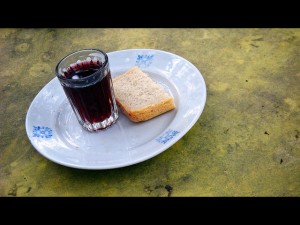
{"x":139,"y":97}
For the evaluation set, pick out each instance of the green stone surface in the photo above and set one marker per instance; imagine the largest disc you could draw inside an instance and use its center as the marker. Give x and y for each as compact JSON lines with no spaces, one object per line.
{"x":246,"y":142}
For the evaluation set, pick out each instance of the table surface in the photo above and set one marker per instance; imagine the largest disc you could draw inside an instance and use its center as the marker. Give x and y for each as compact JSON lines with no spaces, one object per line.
{"x":245,"y":143}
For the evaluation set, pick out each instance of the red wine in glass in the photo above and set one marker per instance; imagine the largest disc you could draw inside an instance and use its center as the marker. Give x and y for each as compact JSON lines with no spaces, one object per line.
{"x":88,"y":86}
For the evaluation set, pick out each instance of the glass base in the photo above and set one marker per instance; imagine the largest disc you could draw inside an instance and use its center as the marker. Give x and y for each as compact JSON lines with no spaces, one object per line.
{"x":94,"y":127}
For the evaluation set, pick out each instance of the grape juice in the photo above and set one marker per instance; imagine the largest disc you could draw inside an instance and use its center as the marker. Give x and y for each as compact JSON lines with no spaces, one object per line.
{"x":94,"y":102}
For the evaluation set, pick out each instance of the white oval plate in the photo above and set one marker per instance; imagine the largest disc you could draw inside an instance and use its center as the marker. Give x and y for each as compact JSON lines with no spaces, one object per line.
{"x":54,"y":131}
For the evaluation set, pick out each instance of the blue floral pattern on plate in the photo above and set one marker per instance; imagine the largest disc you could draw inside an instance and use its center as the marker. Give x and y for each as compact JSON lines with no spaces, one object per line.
{"x":42,"y":132}
{"x":168,"y":135}
{"x":144,"y":60}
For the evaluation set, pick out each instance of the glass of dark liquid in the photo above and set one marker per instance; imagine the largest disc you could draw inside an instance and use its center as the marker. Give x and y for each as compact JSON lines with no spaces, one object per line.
{"x":86,"y":79}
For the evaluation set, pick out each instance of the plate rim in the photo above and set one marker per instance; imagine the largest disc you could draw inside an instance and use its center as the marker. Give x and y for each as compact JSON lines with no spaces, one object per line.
{"x":156,"y":152}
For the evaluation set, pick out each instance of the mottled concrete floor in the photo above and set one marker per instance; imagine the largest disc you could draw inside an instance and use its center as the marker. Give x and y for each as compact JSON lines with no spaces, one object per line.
{"x":246,"y":142}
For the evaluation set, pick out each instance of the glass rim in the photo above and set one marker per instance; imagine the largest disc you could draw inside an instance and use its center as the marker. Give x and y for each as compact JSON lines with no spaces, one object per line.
{"x":84,"y":78}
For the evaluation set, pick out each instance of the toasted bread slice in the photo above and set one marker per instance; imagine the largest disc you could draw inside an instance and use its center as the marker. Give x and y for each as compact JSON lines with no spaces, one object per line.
{"x":139,"y":97}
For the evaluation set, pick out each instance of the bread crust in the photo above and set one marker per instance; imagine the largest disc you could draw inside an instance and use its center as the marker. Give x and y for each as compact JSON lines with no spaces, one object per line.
{"x":147,"y":112}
